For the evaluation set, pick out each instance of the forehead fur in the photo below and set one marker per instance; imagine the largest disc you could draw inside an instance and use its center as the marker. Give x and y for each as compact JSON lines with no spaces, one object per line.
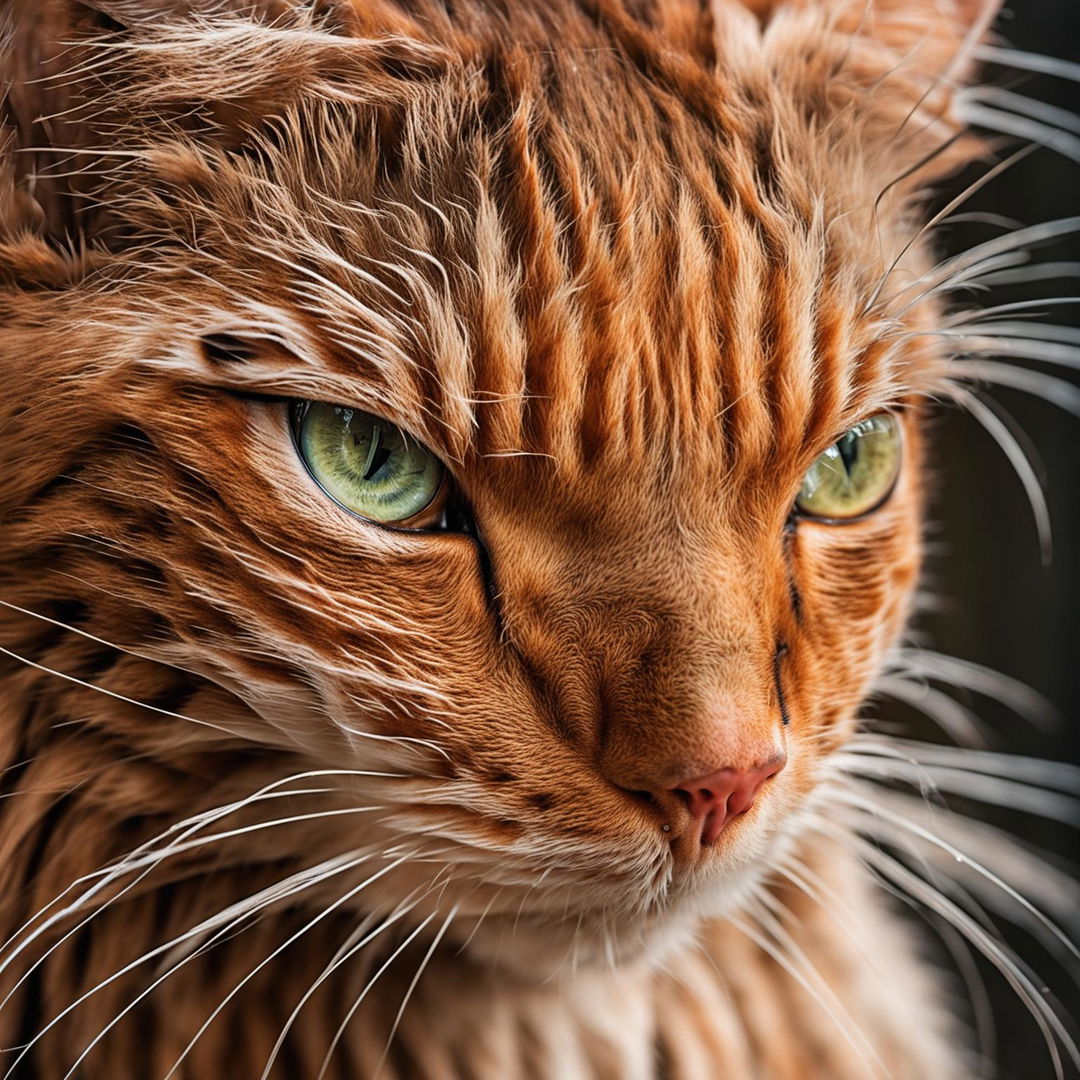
{"x":567,"y":229}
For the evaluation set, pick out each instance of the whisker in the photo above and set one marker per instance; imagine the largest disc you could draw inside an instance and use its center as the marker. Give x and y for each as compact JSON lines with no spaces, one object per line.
{"x":339,"y":1034}
{"x":955,"y":719}
{"x":482,"y":916}
{"x":962,"y":318}
{"x":957,"y":269}
{"x":774,"y":950}
{"x":998,"y":96}
{"x":440,"y":933}
{"x":986,"y":412}
{"x":295,"y":883}
{"x":959,"y":200}
{"x":877,"y":809}
{"x":114,"y":694}
{"x":1044,"y":271}
{"x":958,"y":780}
{"x":987,"y":335}
{"x":1009,"y":966}
{"x":276,"y":952}
{"x":344,"y":955}
{"x":1024,"y":127}
{"x":1029,"y":61}
{"x":149,"y":864}
{"x":1014,"y":694}
{"x":1039,"y":772}
{"x":774,"y":926}
{"x":1055,"y":391}
{"x":145,"y":856}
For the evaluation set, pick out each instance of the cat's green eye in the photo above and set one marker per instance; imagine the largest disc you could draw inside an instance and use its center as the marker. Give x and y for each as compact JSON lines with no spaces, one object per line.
{"x":856,"y":474}
{"x":370,"y":466}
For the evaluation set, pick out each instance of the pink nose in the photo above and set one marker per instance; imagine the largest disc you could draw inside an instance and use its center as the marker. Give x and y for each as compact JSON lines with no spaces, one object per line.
{"x":715,"y":799}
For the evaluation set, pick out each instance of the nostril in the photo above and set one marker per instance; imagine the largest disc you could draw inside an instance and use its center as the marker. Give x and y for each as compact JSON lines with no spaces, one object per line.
{"x":715,"y":799}
{"x":687,"y":797}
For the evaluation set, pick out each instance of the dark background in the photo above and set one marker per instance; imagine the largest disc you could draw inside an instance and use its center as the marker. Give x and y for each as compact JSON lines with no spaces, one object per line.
{"x":1001,"y":606}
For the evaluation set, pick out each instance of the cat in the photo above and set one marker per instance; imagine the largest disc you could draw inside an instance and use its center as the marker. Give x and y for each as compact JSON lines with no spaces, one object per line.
{"x":463,"y":475}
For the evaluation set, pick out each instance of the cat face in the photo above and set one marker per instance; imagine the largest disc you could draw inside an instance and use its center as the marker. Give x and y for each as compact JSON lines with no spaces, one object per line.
{"x":627,"y":293}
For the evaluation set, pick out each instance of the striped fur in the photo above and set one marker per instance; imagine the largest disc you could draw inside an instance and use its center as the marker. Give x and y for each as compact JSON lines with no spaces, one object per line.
{"x":628,"y":267}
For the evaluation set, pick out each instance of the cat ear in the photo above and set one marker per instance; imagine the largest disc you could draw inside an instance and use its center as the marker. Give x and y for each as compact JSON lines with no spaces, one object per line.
{"x":52,"y":114}
{"x":99,"y":94}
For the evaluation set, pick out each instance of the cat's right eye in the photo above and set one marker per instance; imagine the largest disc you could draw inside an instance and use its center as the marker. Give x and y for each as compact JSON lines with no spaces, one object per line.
{"x":370,"y":466}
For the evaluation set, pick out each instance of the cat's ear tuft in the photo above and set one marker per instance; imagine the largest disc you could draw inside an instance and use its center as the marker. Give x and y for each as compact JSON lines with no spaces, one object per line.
{"x":763,"y":9}
{"x":114,"y":107}
{"x":941,"y":35}
{"x":945,"y":31}
{"x":959,"y":12}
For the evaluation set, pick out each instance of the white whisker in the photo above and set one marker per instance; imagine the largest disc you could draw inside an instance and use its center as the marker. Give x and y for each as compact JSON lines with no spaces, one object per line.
{"x":1024,"y":127}
{"x":114,"y":694}
{"x":328,"y":910}
{"x":1065,"y":395}
{"x":1029,"y":61}
{"x":227,"y":918}
{"x":987,"y":415}
{"x":344,"y":955}
{"x":878,"y":809}
{"x":440,"y":933}
{"x":1011,"y":969}
{"x":997,"y":96}
{"x":146,"y":858}
{"x":775,"y":950}
{"x":339,"y":1034}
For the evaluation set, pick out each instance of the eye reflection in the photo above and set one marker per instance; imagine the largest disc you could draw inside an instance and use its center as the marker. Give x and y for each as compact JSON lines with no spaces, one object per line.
{"x":854,"y":475}
{"x":369,"y":465}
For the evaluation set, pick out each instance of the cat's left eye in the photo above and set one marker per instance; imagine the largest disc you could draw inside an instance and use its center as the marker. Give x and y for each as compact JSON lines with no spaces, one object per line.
{"x":370,"y":466}
{"x":856,"y":474}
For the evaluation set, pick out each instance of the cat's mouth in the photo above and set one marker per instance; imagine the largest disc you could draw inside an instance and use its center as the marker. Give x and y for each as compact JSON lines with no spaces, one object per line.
{"x":694,"y":873}
{"x":595,"y":875}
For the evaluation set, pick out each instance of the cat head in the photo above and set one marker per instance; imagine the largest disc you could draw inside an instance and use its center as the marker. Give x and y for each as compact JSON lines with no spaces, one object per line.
{"x":638,"y":291}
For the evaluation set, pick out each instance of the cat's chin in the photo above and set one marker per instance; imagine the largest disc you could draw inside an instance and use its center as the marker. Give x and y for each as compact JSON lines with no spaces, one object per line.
{"x":550,"y":952}
{"x":542,"y":948}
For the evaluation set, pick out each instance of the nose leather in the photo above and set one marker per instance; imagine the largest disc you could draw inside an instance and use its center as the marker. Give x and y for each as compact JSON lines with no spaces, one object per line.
{"x":714,"y":800}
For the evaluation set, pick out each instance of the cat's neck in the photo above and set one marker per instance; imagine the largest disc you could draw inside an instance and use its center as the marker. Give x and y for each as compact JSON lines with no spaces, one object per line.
{"x":819,"y":992}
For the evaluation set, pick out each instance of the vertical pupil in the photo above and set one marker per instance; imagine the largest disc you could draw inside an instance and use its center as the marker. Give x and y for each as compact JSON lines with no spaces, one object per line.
{"x":377,"y":454}
{"x":377,"y":462}
{"x":849,"y":451}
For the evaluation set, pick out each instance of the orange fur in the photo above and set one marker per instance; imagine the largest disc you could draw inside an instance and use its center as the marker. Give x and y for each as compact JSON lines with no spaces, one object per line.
{"x":628,"y":268}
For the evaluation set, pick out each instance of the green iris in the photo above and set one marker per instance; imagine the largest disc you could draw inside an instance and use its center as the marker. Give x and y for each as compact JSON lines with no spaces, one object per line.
{"x":367,"y":464}
{"x":856,"y":473}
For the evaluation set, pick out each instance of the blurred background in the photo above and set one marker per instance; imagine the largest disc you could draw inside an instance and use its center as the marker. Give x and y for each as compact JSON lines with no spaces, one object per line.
{"x":995,"y":602}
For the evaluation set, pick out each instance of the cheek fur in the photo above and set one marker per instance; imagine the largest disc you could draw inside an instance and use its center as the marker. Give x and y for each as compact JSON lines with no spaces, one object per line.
{"x":854,"y":585}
